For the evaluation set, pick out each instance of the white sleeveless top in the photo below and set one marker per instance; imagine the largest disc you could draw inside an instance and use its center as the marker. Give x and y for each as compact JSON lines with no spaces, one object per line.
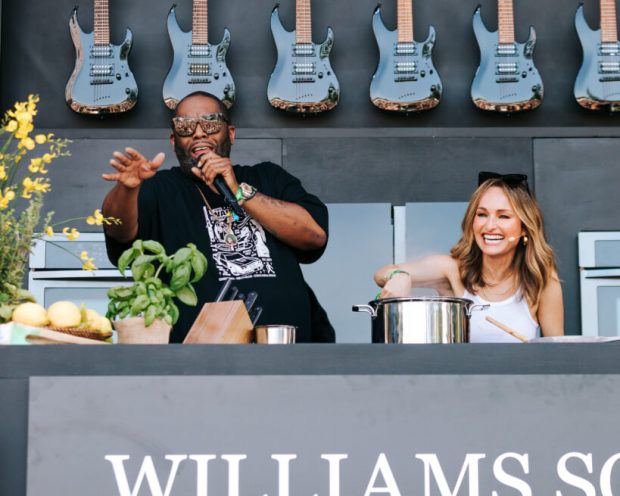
{"x":513,"y":312}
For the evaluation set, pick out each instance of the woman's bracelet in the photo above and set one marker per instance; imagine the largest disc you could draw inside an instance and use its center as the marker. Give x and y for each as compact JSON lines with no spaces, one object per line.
{"x":392,"y":273}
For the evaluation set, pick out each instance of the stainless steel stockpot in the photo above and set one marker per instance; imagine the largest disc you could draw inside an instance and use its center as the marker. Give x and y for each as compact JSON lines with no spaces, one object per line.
{"x":420,"y":320}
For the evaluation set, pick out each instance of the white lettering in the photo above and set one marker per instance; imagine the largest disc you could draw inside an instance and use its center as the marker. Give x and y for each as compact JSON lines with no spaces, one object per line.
{"x":283,"y":472}
{"x":606,"y":475}
{"x":233,"y":473}
{"x":431,"y":464}
{"x":509,"y":480}
{"x":572,"y":479}
{"x":146,"y":470}
{"x":334,"y":472}
{"x":202,"y":470}
{"x":390,"y":488}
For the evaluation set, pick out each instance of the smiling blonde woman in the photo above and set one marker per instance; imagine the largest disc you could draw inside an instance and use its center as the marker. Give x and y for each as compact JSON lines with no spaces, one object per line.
{"x":502,"y":260}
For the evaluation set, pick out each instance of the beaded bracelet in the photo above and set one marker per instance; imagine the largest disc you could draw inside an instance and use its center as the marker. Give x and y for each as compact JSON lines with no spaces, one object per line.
{"x":392,"y":273}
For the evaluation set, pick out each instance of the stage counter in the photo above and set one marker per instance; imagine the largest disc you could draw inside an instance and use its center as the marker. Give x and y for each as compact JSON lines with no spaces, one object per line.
{"x":322,"y":420}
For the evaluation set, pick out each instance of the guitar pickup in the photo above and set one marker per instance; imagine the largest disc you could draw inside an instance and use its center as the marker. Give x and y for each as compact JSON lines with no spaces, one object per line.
{"x":405,"y":68}
{"x":303,"y":49}
{"x":101,"y":51}
{"x":98,"y":70}
{"x":608,"y":67}
{"x":199,"y":80}
{"x":506,"y":50}
{"x":506,"y":68}
{"x":98,"y":81}
{"x":307,"y":79}
{"x":404,"y":49}
{"x":507,"y":79}
{"x":198,"y":70}
{"x":303,"y":68}
{"x":199,"y":51}
{"x":609,"y":48}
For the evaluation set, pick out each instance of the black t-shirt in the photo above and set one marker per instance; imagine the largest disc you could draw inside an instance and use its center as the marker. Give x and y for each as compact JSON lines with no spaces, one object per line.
{"x":172,"y":211}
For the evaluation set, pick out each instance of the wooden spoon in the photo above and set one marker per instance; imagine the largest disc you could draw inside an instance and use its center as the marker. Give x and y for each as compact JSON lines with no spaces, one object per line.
{"x":507,"y":329}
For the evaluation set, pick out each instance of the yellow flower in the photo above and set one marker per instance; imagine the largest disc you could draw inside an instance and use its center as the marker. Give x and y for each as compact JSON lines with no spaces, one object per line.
{"x":49,"y":230}
{"x":88,"y":261}
{"x":39,"y":185}
{"x":5,"y":197}
{"x":71,"y":234}
{"x":48,"y":157}
{"x":2,"y":173}
{"x":40,"y":139}
{"x":11,"y":126}
{"x":35,"y":165}
{"x":27,"y":143}
{"x":98,"y":219}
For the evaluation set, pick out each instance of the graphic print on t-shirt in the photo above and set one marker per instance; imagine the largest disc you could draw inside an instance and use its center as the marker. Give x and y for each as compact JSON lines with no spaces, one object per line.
{"x":248,"y":257}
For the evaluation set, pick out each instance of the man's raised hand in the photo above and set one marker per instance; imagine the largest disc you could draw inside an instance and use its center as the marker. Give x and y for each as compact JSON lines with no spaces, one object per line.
{"x":133,"y":167}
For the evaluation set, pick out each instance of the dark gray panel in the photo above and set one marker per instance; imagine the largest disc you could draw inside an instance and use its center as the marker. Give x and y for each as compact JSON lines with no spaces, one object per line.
{"x":401,"y":170}
{"x":577,"y":187}
{"x":13,"y":451}
{"x":42,"y":57}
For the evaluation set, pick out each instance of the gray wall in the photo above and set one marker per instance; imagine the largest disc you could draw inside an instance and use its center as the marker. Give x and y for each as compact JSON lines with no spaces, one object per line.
{"x":354,"y":153}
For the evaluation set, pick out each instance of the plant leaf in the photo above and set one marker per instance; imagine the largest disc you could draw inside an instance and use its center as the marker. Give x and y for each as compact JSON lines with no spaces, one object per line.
{"x":180,"y":276}
{"x":139,"y":304}
{"x":126,"y":258}
{"x":199,"y":265}
{"x":173,"y":311}
{"x":187,"y":295}
{"x":141,"y":271}
{"x":150,"y":315}
{"x":181,"y":256}
{"x":153,"y":247}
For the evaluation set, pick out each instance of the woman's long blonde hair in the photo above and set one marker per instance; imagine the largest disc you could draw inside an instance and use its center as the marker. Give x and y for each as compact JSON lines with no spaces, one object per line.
{"x":533,"y":263}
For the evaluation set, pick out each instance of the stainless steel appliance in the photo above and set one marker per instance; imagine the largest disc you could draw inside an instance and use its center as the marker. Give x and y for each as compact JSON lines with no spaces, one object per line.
{"x":599,"y":269}
{"x":56,"y":271}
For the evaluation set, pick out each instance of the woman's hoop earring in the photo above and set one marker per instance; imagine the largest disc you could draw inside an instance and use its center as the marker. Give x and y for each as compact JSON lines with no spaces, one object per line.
{"x":525,"y":240}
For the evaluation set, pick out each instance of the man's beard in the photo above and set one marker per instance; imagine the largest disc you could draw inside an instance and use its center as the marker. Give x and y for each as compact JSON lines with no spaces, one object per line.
{"x":187,"y":162}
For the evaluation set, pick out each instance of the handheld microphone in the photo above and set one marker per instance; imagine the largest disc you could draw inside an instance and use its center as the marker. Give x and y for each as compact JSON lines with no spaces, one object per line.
{"x":224,"y":190}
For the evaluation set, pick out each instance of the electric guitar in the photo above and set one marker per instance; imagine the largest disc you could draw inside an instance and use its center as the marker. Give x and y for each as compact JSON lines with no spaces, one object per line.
{"x":405,"y":79}
{"x":597,"y":86}
{"x":101,"y":82}
{"x":506,"y":80}
{"x":302,"y":80}
{"x":197,"y":65}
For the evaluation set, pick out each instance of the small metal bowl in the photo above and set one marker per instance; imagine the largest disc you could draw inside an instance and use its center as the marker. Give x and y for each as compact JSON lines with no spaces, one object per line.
{"x":275,"y":334}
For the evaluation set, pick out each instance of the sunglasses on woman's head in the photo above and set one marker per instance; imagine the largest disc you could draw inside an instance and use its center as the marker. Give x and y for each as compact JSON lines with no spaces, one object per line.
{"x":512,"y":180}
{"x":210,"y":124}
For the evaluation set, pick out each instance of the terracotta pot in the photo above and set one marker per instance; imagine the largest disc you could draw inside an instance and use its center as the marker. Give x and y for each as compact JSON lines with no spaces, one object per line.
{"x":133,"y":331}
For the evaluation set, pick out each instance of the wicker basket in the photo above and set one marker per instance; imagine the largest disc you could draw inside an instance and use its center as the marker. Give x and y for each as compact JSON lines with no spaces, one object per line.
{"x":83,"y":333}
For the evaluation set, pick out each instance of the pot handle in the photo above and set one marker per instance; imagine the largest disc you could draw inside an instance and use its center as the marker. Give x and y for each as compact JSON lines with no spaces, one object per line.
{"x":365,"y":308}
{"x":475,"y":308}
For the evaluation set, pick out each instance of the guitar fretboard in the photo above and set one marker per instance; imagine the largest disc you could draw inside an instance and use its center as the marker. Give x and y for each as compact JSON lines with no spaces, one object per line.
{"x":609,"y":30}
{"x":102,"y":23}
{"x":506,"y":23}
{"x":200,"y":35}
{"x":303,"y":22}
{"x":404,"y":21}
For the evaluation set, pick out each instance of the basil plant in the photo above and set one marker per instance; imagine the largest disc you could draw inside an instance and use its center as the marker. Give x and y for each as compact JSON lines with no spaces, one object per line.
{"x":152,"y":295}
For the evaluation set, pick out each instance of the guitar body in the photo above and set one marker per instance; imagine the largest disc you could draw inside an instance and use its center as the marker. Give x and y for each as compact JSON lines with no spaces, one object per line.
{"x":506,"y":80}
{"x":405,"y":79}
{"x":597,"y":86}
{"x":101,"y":82}
{"x":302,"y":80}
{"x":197,"y":67}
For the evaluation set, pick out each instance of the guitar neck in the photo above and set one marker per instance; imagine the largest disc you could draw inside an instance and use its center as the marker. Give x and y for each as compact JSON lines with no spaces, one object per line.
{"x":200,"y":35}
{"x":303,"y":22}
{"x":609,"y":30}
{"x":506,"y":21}
{"x":404,"y":21}
{"x":102,"y":23}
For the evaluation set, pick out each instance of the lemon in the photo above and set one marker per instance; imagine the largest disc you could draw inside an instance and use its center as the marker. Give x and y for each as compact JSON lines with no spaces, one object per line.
{"x":64,"y":314}
{"x":31,"y":314}
{"x":93,"y":319}
{"x":105,"y":325}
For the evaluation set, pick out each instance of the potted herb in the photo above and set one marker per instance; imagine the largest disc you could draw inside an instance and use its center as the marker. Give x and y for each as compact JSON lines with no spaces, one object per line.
{"x":146,"y":310}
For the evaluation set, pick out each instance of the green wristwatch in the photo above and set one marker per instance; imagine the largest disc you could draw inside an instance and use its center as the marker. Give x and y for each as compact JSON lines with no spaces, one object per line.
{"x":244,"y":193}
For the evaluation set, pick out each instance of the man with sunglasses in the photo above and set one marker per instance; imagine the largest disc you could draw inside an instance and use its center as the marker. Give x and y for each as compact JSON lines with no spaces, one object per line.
{"x":260,"y":251}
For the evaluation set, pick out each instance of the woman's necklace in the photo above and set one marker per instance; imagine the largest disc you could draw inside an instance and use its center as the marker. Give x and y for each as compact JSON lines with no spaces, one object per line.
{"x":229,"y":236}
{"x":496,"y":293}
